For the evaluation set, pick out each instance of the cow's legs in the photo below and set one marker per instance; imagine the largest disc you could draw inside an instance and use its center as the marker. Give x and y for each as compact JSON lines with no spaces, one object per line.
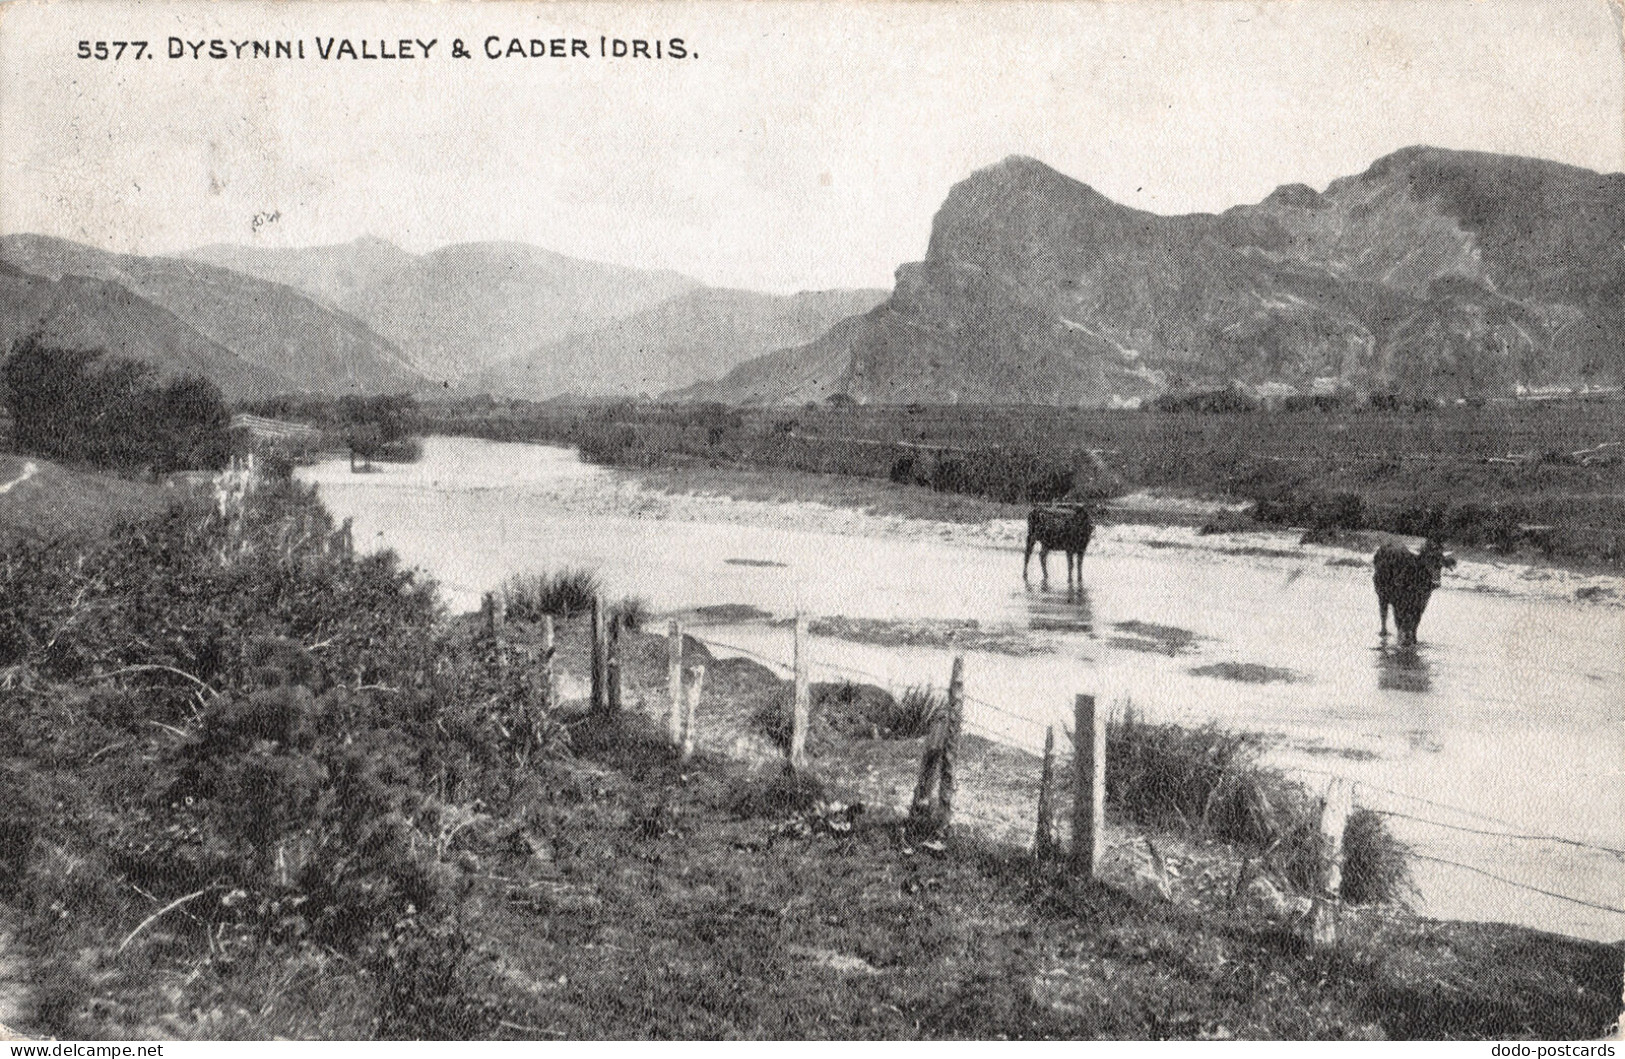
{"x":1027,"y":558}
{"x":1382,"y":612}
{"x":1406,"y":619}
{"x":1043,"y":561}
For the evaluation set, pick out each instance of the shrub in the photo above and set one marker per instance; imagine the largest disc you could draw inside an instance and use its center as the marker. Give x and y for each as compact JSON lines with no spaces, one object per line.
{"x":916,"y":709}
{"x":1376,"y":865}
{"x":562,"y":594}
{"x":78,"y":404}
{"x":1208,"y":779}
{"x":632,"y":612}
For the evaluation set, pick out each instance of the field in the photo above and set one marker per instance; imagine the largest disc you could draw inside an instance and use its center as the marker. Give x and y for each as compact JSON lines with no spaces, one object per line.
{"x":57,"y":501}
{"x":1504,"y":476}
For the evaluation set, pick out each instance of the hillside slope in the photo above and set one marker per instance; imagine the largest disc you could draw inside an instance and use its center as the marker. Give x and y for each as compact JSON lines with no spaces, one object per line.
{"x":77,"y":312}
{"x":699,"y":335}
{"x":456,"y":310}
{"x":1443,"y":273}
{"x":267,"y":324}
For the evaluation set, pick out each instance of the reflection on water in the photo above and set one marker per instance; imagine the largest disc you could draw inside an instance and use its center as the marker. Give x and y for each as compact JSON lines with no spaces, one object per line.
{"x":1052,"y":611}
{"x":1403,"y":669}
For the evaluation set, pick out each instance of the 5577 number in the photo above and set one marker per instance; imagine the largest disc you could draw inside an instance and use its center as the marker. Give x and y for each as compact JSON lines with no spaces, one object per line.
{"x":115,"y":49}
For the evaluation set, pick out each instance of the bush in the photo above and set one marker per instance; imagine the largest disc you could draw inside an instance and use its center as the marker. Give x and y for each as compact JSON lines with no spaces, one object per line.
{"x":1208,"y":780}
{"x":1376,"y":865}
{"x":77,"y":404}
{"x":632,"y":612}
{"x":274,"y":720}
{"x":561,"y":594}
{"x":916,"y":709}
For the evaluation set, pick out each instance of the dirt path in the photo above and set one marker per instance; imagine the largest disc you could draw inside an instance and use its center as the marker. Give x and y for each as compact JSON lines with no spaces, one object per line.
{"x":29,"y":470}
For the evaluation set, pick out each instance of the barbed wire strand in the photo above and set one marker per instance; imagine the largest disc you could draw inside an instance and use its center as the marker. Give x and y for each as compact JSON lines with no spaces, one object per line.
{"x":1452,"y":808}
{"x":988,"y":733}
{"x":1519,"y":885}
{"x":1501,"y":834}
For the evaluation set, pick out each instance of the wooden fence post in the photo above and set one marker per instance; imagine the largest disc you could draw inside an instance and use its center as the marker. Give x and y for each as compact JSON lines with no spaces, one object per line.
{"x":612,"y":666}
{"x":919,"y":813}
{"x":600,"y":658}
{"x":674,"y":683}
{"x":934,"y":790}
{"x":496,"y":610}
{"x":550,"y":679}
{"x":1334,"y":814}
{"x":691,"y":707}
{"x":800,"y":703}
{"x":1089,"y":787}
{"x":1044,"y":842}
{"x":946,"y":785}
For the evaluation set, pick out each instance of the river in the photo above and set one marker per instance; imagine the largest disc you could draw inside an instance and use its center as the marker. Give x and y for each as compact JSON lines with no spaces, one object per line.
{"x":1509,"y":716}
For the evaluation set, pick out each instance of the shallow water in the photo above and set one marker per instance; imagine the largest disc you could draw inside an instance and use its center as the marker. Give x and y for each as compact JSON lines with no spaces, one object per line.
{"x":1510,"y":714}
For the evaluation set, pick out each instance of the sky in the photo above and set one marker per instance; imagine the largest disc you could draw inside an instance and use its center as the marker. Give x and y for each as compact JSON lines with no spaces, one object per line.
{"x":799,"y":145}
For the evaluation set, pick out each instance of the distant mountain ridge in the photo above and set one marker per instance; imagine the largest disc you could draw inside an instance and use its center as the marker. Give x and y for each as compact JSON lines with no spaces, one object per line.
{"x":456,"y":310}
{"x":1444,"y":272}
{"x":280,"y":331}
{"x":697,"y":335}
{"x":80,"y":313}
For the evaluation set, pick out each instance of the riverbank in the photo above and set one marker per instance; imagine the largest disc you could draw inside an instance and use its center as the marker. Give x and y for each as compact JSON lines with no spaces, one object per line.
{"x":1539,"y":478}
{"x":1142,"y":523}
{"x":717,"y":900}
{"x":346,"y":816}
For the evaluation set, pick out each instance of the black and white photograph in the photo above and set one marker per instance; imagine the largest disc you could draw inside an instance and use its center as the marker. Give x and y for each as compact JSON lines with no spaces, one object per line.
{"x":812,"y":520}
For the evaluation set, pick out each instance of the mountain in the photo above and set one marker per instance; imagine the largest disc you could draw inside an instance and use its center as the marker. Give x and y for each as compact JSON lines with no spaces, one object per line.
{"x":91,"y":314}
{"x":458,"y":309}
{"x":1440,"y":272}
{"x":701,"y":334}
{"x":337,"y":276}
{"x":266,"y":324}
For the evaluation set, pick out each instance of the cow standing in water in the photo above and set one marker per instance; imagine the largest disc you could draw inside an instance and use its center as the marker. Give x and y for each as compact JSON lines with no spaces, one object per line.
{"x":1404,"y":580}
{"x":1066,"y":528}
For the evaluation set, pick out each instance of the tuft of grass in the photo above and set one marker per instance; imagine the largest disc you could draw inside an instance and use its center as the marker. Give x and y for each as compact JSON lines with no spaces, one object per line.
{"x":1208,"y":779}
{"x":562,"y":594}
{"x":632,"y":611}
{"x":917,"y":707}
{"x":1376,"y":865}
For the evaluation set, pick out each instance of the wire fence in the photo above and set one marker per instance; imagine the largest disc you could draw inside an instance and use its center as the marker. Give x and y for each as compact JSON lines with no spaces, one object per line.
{"x":1512,"y":832}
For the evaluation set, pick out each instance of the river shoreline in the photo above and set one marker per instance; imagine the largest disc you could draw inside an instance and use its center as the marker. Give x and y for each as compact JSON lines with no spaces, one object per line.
{"x":897,"y":579}
{"x":1140,"y":522}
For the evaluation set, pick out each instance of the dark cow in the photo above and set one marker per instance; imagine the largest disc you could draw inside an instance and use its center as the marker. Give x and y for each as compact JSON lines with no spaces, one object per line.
{"x":1066,"y":528}
{"x":1404,"y":581}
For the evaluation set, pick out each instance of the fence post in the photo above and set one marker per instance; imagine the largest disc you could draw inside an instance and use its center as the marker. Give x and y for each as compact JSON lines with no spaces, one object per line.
{"x":674,"y":683}
{"x":691,"y":707}
{"x":934,"y":790}
{"x":946,"y":785}
{"x":496,"y":610}
{"x":1089,"y":786}
{"x":600,"y":658}
{"x":1044,"y":842}
{"x":800,"y":701}
{"x":1334,"y":814}
{"x":550,"y":680}
{"x":612,"y":666}
{"x":919,"y":812}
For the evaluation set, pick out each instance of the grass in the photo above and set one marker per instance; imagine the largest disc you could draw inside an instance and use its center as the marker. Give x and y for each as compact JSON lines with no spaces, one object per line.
{"x":61,"y":501}
{"x":1208,"y":780}
{"x":1408,"y":472}
{"x":565,"y":594}
{"x":382,"y":850}
{"x":560,"y":594}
